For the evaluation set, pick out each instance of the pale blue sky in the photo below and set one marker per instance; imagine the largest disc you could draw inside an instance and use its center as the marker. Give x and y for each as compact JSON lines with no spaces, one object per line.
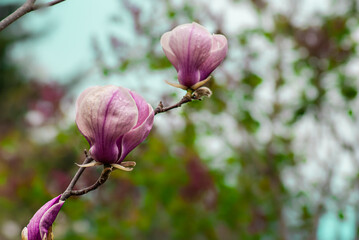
{"x":66,"y":46}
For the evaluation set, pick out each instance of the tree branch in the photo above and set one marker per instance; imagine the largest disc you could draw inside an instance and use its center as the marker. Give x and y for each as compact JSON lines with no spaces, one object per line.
{"x":160,"y":108}
{"x":21,"y":11}
{"x":27,"y":7}
{"x":101,"y":180}
{"x":67,"y":193}
{"x":45,"y":5}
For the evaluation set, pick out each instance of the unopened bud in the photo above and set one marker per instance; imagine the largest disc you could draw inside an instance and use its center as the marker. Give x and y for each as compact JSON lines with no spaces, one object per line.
{"x":39,"y":227}
{"x":114,"y":120}
{"x":202,"y":92}
{"x":194,"y":52}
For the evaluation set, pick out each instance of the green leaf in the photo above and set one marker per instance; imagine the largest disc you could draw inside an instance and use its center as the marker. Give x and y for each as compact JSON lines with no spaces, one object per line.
{"x":252,"y":80}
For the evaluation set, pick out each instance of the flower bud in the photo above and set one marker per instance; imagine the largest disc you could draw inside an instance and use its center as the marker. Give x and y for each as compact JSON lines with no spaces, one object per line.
{"x":202,"y":92}
{"x":194,"y":52}
{"x":41,"y":222}
{"x":114,"y":120}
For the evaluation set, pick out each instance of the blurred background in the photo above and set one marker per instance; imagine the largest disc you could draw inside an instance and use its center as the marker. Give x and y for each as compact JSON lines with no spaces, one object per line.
{"x":271,"y":155}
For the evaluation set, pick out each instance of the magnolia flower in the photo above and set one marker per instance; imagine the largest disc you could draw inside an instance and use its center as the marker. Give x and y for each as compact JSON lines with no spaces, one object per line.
{"x":194,"y":52}
{"x":114,"y":120}
{"x":40,"y":223}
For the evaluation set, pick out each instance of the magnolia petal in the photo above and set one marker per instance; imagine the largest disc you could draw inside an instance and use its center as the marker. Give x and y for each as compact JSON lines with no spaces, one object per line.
{"x":134,"y":137}
{"x":165,"y":39}
{"x":120,"y":167}
{"x":86,"y":92}
{"x":90,"y":164}
{"x":142,"y":107}
{"x":48,"y":218}
{"x":217,"y":54}
{"x":191,"y":44}
{"x":33,"y":228}
{"x":84,"y":131}
{"x":105,"y":114}
{"x":194,"y":52}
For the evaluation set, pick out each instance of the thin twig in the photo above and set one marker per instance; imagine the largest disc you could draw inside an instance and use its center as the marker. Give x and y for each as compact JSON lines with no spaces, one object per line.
{"x":27,"y":7}
{"x":101,"y":180}
{"x":45,"y":5}
{"x":65,"y":195}
{"x":160,"y":108}
{"x":21,"y":11}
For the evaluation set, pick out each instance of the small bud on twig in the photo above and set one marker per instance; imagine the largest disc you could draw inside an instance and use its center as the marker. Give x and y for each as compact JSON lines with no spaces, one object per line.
{"x":202,"y":92}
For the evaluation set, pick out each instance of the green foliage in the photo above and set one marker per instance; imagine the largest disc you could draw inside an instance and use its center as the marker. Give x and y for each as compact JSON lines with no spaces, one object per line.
{"x":157,"y":62}
{"x":252,"y":80}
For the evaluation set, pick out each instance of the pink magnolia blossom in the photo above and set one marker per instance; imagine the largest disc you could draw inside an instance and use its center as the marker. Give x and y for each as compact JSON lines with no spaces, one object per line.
{"x":114,"y":120}
{"x":194,"y":52}
{"x":38,"y":227}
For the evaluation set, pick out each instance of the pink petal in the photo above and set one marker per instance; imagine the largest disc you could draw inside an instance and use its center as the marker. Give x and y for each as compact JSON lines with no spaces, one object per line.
{"x":167,"y":50}
{"x":49,"y":217}
{"x":142,"y":107}
{"x":217,"y":54}
{"x":104,"y":115}
{"x":34,"y":224}
{"x":86,"y":92}
{"x":191,"y":44}
{"x":137,"y":135}
{"x":78,"y":120}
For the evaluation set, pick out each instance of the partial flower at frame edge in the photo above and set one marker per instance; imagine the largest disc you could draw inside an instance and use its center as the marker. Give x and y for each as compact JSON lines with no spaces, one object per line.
{"x":40,"y":223}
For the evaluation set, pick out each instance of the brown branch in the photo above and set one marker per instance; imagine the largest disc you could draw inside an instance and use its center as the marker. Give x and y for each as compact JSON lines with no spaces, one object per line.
{"x":45,"y":5}
{"x":67,"y":193}
{"x":27,"y":7}
{"x":160,"y":108}
{"x":21,"y":11}
{"x":101,"y":180}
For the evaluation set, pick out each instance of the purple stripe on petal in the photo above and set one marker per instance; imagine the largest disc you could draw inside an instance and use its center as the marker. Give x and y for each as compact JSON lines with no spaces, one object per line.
{"x":115,"y":120}
{"x":105,"y":148}
{"x":194,"y":52}
{"x":104,"y":133}
{"x":104,"y":115}
{"x":191,"y":44}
